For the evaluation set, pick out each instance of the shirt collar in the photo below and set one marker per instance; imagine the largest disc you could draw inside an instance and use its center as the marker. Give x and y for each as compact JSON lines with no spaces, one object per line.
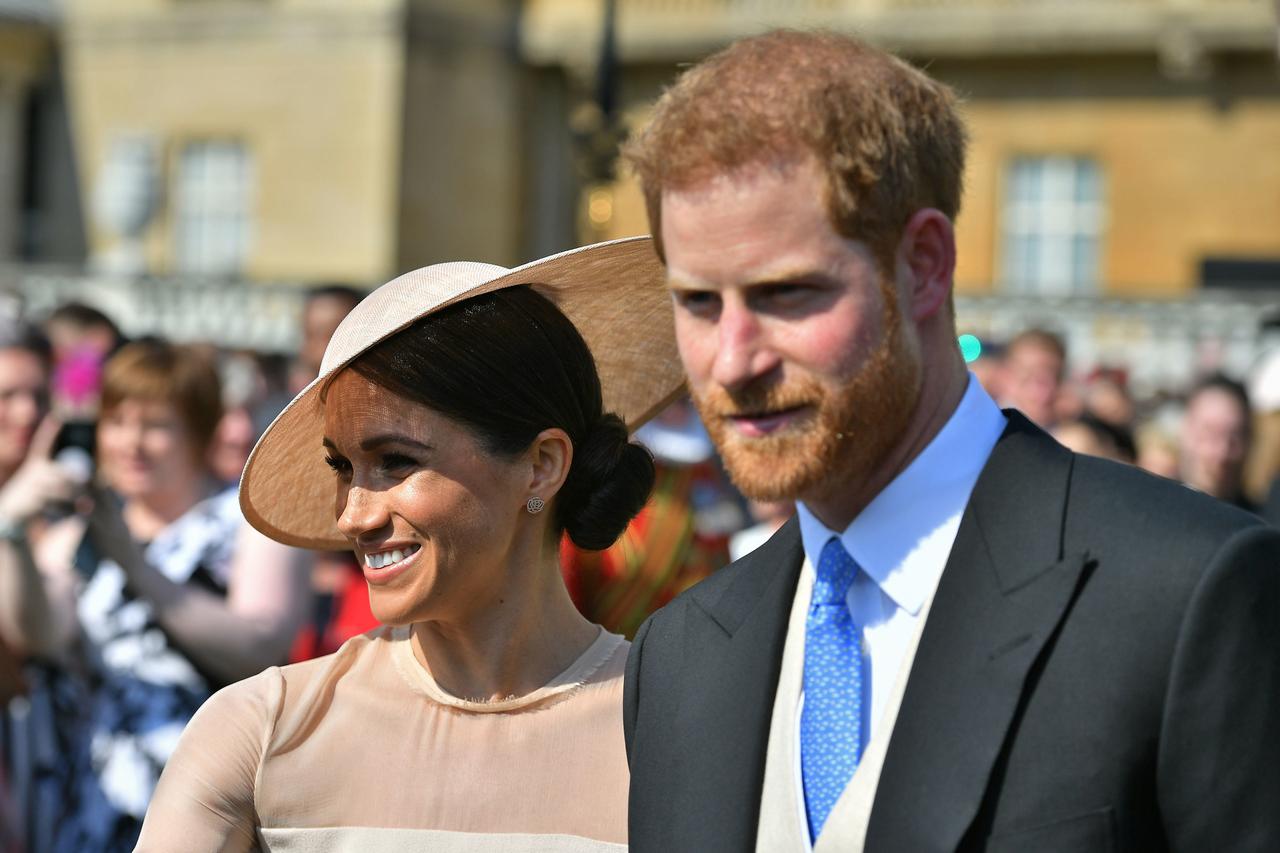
{"x":898,"y":537}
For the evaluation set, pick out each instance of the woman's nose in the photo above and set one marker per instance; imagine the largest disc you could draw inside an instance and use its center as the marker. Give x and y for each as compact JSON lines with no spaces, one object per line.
{"x":360,"y":512}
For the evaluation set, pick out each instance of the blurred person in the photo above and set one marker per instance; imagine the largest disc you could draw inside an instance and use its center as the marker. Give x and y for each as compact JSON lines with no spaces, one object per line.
{"x":27,"y":470}
{"x":340,"y":606}
{"x":768,"y":516}
{"x":323,"y":309}
{"x":243,"y":389}
{"x":74,"y":326}
{"x":459,"y":429}
{"x":25,"y":364}
{"x":1035,"y":364}
{"x":969,"y":638}
{"x":1214,"y":439}
{"x":1106,"y":397}
{"x":989,"y":368}
{"x":169,"y":595}
{"x":83,"y":337}
{"x":1158,"y":451}
{"x":680,"y":537}
{"x":1091,"y":435}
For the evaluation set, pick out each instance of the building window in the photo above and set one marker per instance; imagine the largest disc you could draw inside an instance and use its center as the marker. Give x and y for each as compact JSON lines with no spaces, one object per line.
{"x":212,"y":207}
{"x":1053,"y":218}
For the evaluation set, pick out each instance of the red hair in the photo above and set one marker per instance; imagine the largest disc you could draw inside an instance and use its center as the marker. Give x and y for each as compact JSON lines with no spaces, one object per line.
{"x":887,"y":137}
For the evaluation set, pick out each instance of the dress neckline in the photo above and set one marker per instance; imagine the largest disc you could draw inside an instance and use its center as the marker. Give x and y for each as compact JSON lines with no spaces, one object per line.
{"x":573,"y":677}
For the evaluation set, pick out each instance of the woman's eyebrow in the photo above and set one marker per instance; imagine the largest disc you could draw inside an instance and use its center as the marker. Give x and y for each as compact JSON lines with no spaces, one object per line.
{"x":381,"y":439}
{"x":375,"y":441}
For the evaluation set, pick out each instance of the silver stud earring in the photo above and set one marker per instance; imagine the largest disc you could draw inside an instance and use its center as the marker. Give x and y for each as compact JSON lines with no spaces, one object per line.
{"x":534,"y":505}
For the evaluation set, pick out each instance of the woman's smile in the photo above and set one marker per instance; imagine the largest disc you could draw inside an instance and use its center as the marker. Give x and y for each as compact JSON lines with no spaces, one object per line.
{"x":381,"y":567}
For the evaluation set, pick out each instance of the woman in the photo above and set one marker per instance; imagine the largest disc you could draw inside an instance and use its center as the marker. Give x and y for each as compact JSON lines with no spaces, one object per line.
{"x":168,"y":597}
{"x":457,"y":428}
{"x":26,"y":472}
{"x":25,"y":361}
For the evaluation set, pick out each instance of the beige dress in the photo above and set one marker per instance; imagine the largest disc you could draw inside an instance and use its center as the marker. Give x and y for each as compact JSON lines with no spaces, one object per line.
{"x":362,"y":750}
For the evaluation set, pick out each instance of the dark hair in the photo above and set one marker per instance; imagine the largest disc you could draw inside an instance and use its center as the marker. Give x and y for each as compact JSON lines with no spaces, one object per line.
{"x":1227,"y":385}
{"x":1119,"y":437}
{"x":508,"y":365}
{"x":83,"y":317}
{"x":333,"y":291}
{"x":24,"y":336}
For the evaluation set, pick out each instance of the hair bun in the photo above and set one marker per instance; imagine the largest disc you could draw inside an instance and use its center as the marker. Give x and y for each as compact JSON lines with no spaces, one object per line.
{"x":608,"y":484}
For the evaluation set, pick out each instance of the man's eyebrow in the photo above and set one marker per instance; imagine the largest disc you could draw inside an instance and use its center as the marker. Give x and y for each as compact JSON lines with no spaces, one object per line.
{"x":680,"y":284}
{"x":375,"y":441}
{"x":785,"y":275}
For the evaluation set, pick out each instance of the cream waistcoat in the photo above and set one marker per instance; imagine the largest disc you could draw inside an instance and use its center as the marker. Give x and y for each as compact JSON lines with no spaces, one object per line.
{"x":782,"y":827}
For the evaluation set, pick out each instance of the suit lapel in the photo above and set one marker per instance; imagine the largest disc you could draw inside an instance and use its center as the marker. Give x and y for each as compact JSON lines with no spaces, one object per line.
{"x":735,"y":638}
{"x":1002,"y":595}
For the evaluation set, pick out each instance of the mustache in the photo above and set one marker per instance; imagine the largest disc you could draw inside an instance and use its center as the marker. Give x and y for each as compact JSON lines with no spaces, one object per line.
{"x":758,"y":398}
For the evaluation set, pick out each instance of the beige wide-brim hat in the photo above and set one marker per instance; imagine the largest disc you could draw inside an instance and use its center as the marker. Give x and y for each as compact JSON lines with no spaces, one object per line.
{"x":614,"y":293}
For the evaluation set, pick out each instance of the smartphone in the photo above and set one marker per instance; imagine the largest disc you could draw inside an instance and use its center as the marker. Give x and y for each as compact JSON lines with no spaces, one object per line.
{"x":78,"y":434}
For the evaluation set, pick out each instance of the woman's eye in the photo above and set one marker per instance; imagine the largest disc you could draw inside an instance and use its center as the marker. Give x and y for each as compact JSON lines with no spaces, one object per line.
{"x":397,"y":462}
{"x":339,"y":466}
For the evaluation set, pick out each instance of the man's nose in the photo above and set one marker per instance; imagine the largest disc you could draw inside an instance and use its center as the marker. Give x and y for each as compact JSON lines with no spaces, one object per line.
{"x":743,"y":352}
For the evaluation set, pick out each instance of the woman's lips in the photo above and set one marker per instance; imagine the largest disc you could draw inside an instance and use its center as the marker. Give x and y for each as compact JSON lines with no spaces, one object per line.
{"x":385,"y":574}
{"x":760,"y":425}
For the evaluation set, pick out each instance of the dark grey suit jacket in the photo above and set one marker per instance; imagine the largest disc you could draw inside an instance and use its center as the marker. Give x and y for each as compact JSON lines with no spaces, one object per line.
{"x":1100,"y":671}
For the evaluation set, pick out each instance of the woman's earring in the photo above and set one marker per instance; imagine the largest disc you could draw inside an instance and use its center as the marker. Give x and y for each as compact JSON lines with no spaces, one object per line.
{"x":534,"y":505}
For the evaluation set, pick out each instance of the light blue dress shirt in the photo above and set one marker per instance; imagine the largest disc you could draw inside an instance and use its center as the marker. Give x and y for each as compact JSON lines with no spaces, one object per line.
{"x":902,"y":540}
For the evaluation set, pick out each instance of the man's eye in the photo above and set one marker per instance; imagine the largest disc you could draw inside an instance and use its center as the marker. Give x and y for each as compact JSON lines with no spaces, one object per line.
{"x":700,"y":302}
{"x":783,"y":294}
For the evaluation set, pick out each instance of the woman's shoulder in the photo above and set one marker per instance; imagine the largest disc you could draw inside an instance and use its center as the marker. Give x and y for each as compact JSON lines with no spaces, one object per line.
{"x":607,"y":658}
{"x":352,"y":659}
{"x":275,"y":686}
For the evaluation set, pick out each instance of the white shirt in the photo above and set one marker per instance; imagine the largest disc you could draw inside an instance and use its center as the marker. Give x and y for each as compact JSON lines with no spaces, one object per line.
{"x":901,"y":542}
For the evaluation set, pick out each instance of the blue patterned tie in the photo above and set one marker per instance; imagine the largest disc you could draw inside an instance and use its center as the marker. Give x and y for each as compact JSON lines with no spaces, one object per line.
{"x":831,"y":722}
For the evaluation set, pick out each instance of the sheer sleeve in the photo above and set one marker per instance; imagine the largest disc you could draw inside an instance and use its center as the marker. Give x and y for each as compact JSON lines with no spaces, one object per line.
{"x":205,"y":798}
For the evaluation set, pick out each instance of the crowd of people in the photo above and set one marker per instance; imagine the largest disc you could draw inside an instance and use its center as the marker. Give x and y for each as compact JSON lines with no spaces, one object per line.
{"x":1213,"y":435}
{"x":110,"y":642}
{"x":132,"y":587}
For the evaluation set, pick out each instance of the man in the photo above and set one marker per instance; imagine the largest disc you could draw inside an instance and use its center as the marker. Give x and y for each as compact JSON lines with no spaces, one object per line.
{"x":1034,"y":363}
{"x":1214,"y":439}
{"x":968,"y":638}
{"x":323,"y":308}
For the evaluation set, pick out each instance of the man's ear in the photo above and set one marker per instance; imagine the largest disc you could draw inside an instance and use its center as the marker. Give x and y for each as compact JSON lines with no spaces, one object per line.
{"x":927,"y":255}
{"x":550,"y":456}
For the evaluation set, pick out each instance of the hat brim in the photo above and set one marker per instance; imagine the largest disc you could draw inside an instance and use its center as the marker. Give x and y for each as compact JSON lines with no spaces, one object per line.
{"x":614,"y":293}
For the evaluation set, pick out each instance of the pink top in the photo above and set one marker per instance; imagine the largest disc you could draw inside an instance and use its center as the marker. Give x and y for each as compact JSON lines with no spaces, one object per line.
{"x":363,"y":750}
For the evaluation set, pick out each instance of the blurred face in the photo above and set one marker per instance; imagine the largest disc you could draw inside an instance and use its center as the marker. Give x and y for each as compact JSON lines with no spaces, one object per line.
{"x":1080,"y":438}
{"x":24,"y":401}
{"x":1215,"y":436}
{"x":798,"y":359}
{"x":232,"y":444}
{"x":1032,"y":377}
{"x":1111,"y":403}
{"x":430,"y":513}
{"x":145,"y":448}
{"x":320,"y":320}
